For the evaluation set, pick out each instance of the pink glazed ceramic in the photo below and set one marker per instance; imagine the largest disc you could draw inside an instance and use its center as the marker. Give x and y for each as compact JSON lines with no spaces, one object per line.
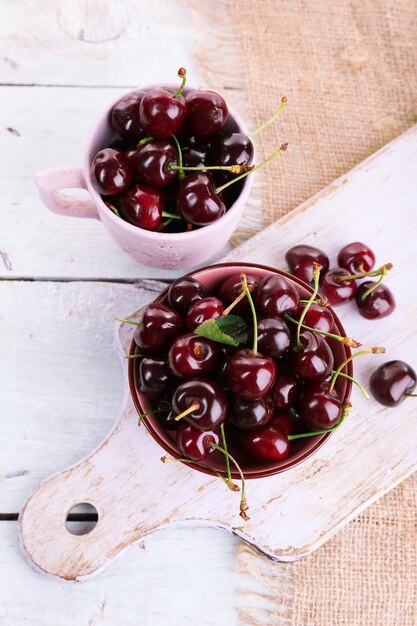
{"x":162,"y":250}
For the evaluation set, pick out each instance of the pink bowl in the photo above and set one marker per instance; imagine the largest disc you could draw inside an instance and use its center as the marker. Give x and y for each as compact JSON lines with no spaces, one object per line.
{"x":163,"y":250}
{"x":212,"y":277}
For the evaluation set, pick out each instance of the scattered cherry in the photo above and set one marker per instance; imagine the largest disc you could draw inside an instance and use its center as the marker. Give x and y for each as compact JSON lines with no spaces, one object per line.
{"x":142,"y":205}
{"x":111,"y":172}
{"x":184,"y":292}
{"x":267,"y":443}
{"x":207,"y":113}
{"x":356,"y":257}
{"x":392,"y":382}
{"x":125,"y":117}
{"x":159,"y":327}
{"x":248,"y":414}
{"x":202,"y":310}
{"x":202,"y":403}
{"x":379,"y":303}
{"x":190,"y":356}
{"x":338,"y":291}
{"x":300,"y":261}
{"x":194,"y":443}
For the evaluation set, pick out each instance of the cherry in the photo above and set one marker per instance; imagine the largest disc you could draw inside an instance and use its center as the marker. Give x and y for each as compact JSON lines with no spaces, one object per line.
{"x":190,"y":356}
{"x":194,"y":156}
{"x":143,"y":206}
{"x":184,"y":292}
{"x":285,"y":391}
{"x":232,"y":288}
{"x":356,"y":257}
{"x":267,"y":443}
{"x":276,"y":296}
{"x":320,"y":407}
{"x":338,"y":291}
{"x":273,"y":337}
{"x":161,"y":113}
{"x":247,"y":414}
{"x":284,"y":423}
{"x":207,"y":113}
{"x":165,"y":416}
{"x":194,"y":443}
{"x":378,"y":303}
{"x":202,"y":403}
{"x":197,"y":201}
{"x":250,"y":375}
{"x":318,"y":317}
{"x":151,"y":162}
{"x":111,"y":172}
{"x":205,"y":309}
{"x":125,"y":117}
{"x":392,"y":382}
{"x":154,"y":376}
{"x":232,"y":148}
{"x":159,"y":327}
{"x":313,"y":360}
{"x":300,"y":261}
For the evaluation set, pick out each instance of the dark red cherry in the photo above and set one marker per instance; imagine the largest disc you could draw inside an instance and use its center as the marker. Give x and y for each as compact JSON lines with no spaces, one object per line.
{"x":161,"y":114}
{"x":267,"y":443}
{"x":335,"y":290}
{"x":159,"y":327}
{"x":232,"y":288}
{"x":206,"y":399}
{"x":379,"y":303}
{"x":318,"y":317}
{"x":125,"y":117}
{"x":275,"y":296}
{"x":205,"y":309}
{"x":392,"y":381}
{"x":207,"y":113}
{"x":285,"y":391}
{"x":111,"y":172}
{"x":284,"y":423}
{"x":313,"y":360}
{"x":165,"y":416}
{"x":356,"y":258}
{"x":142,"y":206}
{"x":300,"y":261}
{"x":195,"y":156}
{"x":151,"y":163}
{"x":273,"y":337}
{"x":250,"y":376}
{"x":196,"y":200}
{"x":184,"y":292}
{"x":231,"y":149}
{"x":247,"y":414}
{"x":319,"y":408}
{"x":190,"y":356}
{"x":194,"y":443}
{"x":154,"y":376}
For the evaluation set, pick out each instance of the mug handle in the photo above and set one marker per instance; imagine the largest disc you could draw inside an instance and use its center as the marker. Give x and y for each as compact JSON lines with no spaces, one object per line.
{"x":50,"y":182}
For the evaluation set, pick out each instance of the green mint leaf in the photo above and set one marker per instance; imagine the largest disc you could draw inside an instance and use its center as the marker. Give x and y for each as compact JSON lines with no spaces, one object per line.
{"x":230,"y":330}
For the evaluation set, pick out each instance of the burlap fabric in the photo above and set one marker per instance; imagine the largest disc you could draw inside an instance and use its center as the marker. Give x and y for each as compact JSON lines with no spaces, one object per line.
{"x":349,"y":71}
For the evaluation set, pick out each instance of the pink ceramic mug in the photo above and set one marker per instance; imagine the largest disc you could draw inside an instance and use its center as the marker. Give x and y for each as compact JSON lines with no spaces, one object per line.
{"x":153,"y":249}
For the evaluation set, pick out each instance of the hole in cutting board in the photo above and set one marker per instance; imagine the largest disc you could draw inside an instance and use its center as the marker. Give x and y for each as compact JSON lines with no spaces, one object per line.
{"x":81,"y":519}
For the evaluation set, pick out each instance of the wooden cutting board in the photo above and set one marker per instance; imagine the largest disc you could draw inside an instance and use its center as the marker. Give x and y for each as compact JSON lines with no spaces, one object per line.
{"x":293,"y":513}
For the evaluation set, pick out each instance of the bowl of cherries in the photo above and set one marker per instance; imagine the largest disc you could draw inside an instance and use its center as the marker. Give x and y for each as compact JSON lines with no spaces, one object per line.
{"x":228,"y":375}
{"x":168,"y":168}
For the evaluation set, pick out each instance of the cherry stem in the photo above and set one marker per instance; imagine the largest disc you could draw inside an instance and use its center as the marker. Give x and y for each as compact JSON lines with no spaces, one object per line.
{"x":411,"y":395}
{"x":346,"y":408}
{"x":372,"y":287}
{"x":232,"y":486}
{"x":181,"y":174}
{"x":347,"y":341}
{"x":193,"y":407}
{"x":271,"y":119}
{"x":236,"y":301}
{"x":356,"y":382}
{"x":235,"y":169}
{"x":134,"y":356}
{"x":224,"y":444}
{"x":172,"y":216}
{"x":383,"y":270}
{"x":125,"y":321}
{"x":243,"y":504}
{"x":144,"y":141}
{"x":245,"y":288}
{"x":142,"y":415}
{"x":272,"y":156}
{"x":375,"y":350}
{"x":112,"y":208}
{"x":316,"y":278}
{"x":165,"y":224}
{"x":320,"y":301}
{"x":182,"y":73}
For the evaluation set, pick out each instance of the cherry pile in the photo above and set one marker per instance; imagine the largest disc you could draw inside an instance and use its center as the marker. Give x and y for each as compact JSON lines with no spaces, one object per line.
{"x":338,"y":285}
{"x":177,"y":161}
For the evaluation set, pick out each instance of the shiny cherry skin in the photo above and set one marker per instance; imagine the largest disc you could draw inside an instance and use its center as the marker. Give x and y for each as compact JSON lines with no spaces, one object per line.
{"x":232,"y":288}
{"x":142,"y":205}
{"x":267,"y":443}
{"x":356,"y":257}
{"x":154,"y":377}
{"x":195,"y":156}
{"x":231,"y":149}
{"x":314,"y":360}
{"x":248,"y":414}
{"x":319,"y":408}
{"x":184,"y":292}
{"x":151,"y":163}
{"x":275,"y":296}
{"x":165,"y":416}
{"x":111,"y":172}
{"x":283,"y":422}
{"x":196,"y":200}
{"x":273,"y":337}
{"x":194,"y":443}
{"x":336,"y":291}
{"x":379,"y":303}
{"x":190,"y":356}
{"x":125,"y":117}
{"x":318,"y":317}
{"x":159,"y":327}
{"x":250,"y":375}
{"x":300,"y":261}
{"x":160,"y":114}
{"x":207,"y":113}
{"x":392,"y":381}
{"x":286,"y":389}
{"x":210,"y":399}
{"x":205,"y":309}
